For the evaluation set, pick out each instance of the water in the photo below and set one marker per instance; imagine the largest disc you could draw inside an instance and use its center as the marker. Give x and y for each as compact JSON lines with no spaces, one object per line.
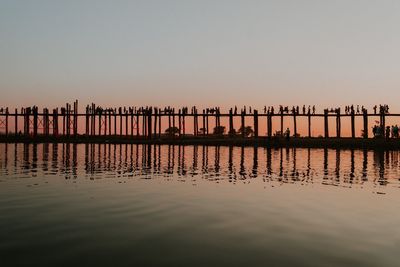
{"x":141,"y":205}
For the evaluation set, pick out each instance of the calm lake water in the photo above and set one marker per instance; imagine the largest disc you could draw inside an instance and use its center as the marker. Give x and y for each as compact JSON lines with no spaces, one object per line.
{"x":146,"y":205}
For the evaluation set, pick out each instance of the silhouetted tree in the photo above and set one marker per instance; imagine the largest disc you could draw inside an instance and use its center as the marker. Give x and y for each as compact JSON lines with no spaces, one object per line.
{"x":248,"y":131}
{"x":172,"y":131}
{"x":202,"y":130}
{"x":363,"y":134}
{"x":219,"y":130}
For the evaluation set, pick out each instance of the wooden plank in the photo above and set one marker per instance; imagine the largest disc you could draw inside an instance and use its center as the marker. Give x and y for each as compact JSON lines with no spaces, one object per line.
{"x":120,"y":120}
{"x":155,"y":121}
{"x":180,"y":122}
{"x":44,"y":124}
{"x":132,"y":122}
{"x":16,"y":122}
{"x":126,"y":123}
{"x":105,"y":113}
{"x":87,"y":121}
{"x":173,"y":120}
{"x":207,"y":125}
{"x":338,"y":124}
{"x":55,"y":122}
{"x":137,"y":124}
{"x":183,"y":123}
{"x":242,"y":122}
{"x":294,"y":123}
{"x":326,"y":125}
{"x":99,"y":122}
{"x":169,"y":118}
{"x":149,"y":115}
{"x":231,"y":129}
{"x":35,"y":121}
{"x":159,"y":123}
{"x":365,"y":120}
{"x":353,"y":130}
{"x":269,"y":125}
{"x":76,"y":118}
{"x":255,"y":118}
{"x":109,"y":121}
{"x":6,"y":122}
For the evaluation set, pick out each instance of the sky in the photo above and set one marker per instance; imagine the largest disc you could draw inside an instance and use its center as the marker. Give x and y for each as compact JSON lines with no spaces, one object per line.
{"x":204,"y":53}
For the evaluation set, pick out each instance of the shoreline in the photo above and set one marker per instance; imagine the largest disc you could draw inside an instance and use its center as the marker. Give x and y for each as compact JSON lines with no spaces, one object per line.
{"x":303,"y":142}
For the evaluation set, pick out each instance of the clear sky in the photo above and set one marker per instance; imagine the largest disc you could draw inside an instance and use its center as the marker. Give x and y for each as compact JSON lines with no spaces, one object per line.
{"x":200,"y":52}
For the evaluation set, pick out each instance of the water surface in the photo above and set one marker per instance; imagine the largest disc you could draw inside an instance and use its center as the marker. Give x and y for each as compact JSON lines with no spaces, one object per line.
{"x":150,"y":205}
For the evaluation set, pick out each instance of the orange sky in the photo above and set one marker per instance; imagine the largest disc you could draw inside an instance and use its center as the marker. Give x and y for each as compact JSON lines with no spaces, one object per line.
{"x":204,"y":53}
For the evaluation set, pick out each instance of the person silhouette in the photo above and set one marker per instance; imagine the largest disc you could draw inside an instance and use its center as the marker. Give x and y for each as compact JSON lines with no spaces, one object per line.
{"x":287,"y":134}
{"x":387,"y":132}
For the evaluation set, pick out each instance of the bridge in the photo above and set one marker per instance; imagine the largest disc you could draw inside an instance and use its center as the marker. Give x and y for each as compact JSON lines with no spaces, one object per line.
{"x":146,"y":122}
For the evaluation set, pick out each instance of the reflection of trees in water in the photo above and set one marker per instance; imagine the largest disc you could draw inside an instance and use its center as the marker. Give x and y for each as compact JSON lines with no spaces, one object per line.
{"x":214,"y":163}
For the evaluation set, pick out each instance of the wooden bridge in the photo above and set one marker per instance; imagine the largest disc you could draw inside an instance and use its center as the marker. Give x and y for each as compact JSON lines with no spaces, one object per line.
{"x":146,"y":122}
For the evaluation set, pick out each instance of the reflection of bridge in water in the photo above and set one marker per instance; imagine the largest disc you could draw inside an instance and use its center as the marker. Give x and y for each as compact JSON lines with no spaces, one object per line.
{"x":213,"y":163}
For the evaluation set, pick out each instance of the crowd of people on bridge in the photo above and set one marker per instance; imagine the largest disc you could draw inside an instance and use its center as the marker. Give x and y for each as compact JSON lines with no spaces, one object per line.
{"x":388,"y":132}
{"x":124,"y":110}
{"x":354,"y":110}
{"x":295,"y":110}
{"x":383,"y":109}
{"x":215,"y":110}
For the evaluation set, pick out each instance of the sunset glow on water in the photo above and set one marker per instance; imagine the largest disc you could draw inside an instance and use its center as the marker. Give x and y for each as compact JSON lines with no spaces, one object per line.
{"x":141,"y":133}
{"x":195,"y":205}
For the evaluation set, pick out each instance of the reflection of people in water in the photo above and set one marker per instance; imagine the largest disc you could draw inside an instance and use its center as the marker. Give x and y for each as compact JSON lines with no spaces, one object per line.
{"x":287,"y":134}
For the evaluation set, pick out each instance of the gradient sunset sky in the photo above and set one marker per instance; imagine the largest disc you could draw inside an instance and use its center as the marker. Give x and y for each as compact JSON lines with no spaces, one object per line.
{"x":203,"y":53}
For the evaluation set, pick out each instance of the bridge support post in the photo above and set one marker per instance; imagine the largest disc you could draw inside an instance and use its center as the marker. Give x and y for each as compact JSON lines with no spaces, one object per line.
{"x":353,"y":129}
{"x":365,"y":119}
{"x":255,"y":116}
{"x":326,"y":125}
{"x":338,"y":124}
